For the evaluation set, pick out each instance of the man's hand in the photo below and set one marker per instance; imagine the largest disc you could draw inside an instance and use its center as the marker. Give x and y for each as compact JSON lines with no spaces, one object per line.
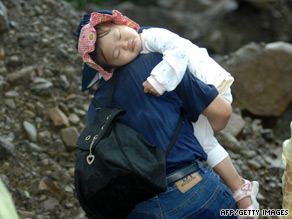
{"x":149,"y":89}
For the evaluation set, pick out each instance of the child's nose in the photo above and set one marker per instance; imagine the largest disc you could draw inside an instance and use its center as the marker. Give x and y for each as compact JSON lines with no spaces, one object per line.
{"x":125,"y":45}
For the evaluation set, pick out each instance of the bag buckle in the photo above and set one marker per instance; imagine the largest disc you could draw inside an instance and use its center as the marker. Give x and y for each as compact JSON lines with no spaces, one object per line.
{"x":90,"y":157}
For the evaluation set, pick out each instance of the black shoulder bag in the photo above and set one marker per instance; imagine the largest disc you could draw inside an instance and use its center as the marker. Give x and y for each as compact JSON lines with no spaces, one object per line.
{"x":116,"y":168}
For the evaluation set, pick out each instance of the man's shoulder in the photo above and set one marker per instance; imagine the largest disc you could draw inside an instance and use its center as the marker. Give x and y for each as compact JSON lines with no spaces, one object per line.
{"x":145,"y":62}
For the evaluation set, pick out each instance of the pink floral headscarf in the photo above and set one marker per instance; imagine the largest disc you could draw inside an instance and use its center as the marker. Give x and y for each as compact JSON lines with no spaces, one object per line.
{"x":86,"y":43}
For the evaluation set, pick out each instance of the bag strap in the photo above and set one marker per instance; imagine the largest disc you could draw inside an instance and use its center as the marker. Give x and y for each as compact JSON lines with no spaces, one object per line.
{"x":112,"y":90}
{"x":176,"y":133}
{"x":109,"y":101}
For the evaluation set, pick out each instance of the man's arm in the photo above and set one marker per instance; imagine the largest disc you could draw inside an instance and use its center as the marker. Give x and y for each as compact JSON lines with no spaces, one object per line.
{"x":218,"y":113}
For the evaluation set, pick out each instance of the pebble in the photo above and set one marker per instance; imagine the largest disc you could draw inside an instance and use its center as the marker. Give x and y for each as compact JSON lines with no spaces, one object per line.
{"x":228,"y":141}
{"x":2,"y":54}
{"x":43,"y":186}
{"x":58,"y":117}
{"x":69,"y":189}
{"x":44,"y":137}
{"x":41,"y":84}
{"x":235,"y":125}
{"x":15,"y":61}
{"x":249,"y":153}
{"x":50,"y":203}
{"x":28,"y":114}
{"x":45,"y":162}
{"x":80,"y":112}
{"x":10,"y":103}
{"x":25,"y":214}
{"x":254,"y":164}
{"x":6,"y":148}
{"x":11,"y":93}
{"x":70,"y":136}
{"x":15,"y":76}
{"x":69,"y":205}
{"x":64,"y":82}
{"x":58,"y":145}
{"x":74,"y":119}
{"x":30,"y":131}
{"x":71,"y":171}
{"x":34,"y":147}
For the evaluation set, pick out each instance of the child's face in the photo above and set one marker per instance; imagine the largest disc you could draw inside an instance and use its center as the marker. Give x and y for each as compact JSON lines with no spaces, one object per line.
{"x":121,"y":45}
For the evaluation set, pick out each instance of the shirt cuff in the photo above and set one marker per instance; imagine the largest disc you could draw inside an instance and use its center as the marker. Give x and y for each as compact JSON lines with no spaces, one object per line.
{"x":216,"y":155}
{"x":156,"y":85}
{"x":225,"y":84}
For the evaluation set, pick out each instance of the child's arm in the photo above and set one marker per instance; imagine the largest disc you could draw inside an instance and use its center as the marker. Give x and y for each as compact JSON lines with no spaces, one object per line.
{"x":169,"y":72}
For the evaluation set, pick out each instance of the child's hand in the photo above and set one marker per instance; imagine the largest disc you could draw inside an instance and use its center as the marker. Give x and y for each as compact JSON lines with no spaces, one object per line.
{"x":149,"y":89}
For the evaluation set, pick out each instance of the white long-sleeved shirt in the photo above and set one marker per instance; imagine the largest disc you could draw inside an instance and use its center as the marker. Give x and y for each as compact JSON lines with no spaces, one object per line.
{"x":178,"y":55}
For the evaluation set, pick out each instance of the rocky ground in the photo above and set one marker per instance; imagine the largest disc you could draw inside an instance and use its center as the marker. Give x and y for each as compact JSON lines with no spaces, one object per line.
{"x":43,"y":109}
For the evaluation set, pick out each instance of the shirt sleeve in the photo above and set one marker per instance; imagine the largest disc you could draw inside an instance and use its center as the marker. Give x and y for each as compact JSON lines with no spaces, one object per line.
{"x":205,"y":135}
{"x":195,"y":95}
{"x":211,"y":72}
{"x":170,"y":70}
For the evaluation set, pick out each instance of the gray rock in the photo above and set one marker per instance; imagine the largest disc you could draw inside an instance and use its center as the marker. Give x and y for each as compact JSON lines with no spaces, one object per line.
{"x":74,"y":118}
{"x":14,"y":61}
{"x":64,"y":82}
{"x":6,"y":148}
{"x":4,"y":21}
{"x":228,"y":141}
{"x":28,"y":39}
{"x":263,"y":77}
{"x":30,"y":130}
{"x":249,"y":153}
{"x":58,"y":117}
{"x":254,"y":164}
{"x":70,"y":136}
{"x":34,"y":147}
{"x":10,"y":103}
{"x":22,"y":73}
{"x":11,"y":93}
{"x":50,"y":203}
{"x":44,"y":137}
{"x":40,"y":84}
{"x":235,"y":125}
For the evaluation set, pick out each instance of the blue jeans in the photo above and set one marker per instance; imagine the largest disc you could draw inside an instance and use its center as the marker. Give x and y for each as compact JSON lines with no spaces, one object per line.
{"x":204,"y":200}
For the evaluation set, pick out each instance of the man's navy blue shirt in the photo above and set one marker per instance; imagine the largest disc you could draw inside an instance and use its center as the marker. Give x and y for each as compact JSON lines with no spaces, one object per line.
{"x":154,"y":117}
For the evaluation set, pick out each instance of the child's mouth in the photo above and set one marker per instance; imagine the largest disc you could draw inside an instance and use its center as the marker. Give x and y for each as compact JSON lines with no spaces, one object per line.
{"x":133,"y":45}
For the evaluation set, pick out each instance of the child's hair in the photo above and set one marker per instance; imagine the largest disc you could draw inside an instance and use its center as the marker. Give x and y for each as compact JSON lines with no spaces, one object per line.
{"x":97,"y":55}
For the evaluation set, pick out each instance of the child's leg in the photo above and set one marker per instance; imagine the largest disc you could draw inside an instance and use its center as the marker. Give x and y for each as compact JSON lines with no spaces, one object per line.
{"x":219,"y":160}
{"x":232,"y":180}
